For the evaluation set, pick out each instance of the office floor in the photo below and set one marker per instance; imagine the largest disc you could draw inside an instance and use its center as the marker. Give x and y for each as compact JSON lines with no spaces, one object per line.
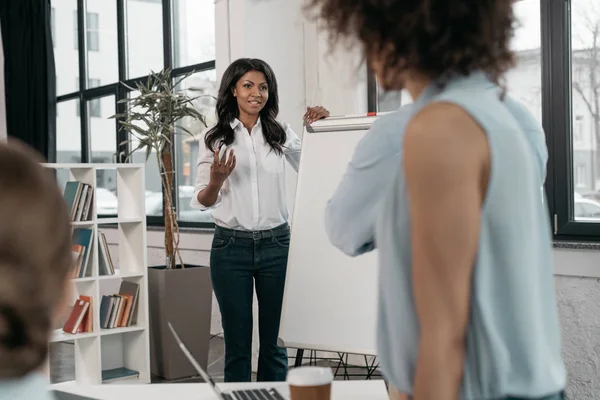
{"x":63,"y":369}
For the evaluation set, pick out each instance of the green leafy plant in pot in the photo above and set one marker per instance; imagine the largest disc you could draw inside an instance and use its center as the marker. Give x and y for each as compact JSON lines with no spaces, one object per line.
{"x":151,"y":120}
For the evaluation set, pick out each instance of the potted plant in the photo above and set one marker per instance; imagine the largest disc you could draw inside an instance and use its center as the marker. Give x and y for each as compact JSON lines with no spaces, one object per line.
{"x":178,"y":293}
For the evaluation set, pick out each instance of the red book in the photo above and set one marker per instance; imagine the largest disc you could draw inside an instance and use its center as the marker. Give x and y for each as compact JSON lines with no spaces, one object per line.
{"x":87,"y":323}
{"x":76,"y":317}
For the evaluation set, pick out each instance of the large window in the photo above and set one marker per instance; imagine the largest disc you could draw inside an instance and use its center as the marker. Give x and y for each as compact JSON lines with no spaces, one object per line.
{"x":557,"y":76}
{"x":572,"y":116}
{"x":112,"y":41}
{"x":585,"y":103}
{"x":92,"y":31}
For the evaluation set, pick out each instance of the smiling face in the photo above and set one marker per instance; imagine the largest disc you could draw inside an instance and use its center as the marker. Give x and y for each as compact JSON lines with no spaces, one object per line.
{"x":251,"y":92}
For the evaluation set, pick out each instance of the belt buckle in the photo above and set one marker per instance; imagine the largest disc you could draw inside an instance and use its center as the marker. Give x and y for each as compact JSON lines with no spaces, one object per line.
{"x":256,"y":235}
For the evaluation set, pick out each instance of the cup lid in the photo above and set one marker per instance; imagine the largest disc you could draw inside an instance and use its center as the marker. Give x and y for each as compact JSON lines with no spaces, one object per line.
{"x":309,"y":376}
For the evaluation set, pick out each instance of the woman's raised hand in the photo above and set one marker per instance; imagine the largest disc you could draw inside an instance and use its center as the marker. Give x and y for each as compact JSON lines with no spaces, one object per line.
{"x":315,"y":113}
{"x":221,"y":168}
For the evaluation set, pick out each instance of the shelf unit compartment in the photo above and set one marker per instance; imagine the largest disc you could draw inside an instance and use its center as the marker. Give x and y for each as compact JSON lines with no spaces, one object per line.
{"x":132,"y":255}
{"x":107,"y":193}
{"x":127,"y":350}
{"x":86,"y":364}
{"x":88,"y":361}
{"x":130,"y":182}
{"x":79,"y":288}
{"x":85,"y":175}
{"x":82,"y":173}
{"x":60,"y":354}
{"x":113,"y":251}
{"x":92,"y":267}
{"x":140,"y":318}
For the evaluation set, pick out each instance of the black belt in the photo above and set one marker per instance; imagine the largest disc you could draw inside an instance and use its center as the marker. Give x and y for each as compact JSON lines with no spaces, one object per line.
{"x":280,"y":230}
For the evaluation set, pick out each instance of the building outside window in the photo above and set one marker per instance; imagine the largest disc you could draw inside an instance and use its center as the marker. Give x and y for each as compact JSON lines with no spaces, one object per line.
{"x":128,"y":50}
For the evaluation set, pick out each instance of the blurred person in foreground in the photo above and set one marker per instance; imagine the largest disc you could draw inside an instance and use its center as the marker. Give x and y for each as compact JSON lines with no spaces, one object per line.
{"x":35,"y":260}
{"x":467,"y":307}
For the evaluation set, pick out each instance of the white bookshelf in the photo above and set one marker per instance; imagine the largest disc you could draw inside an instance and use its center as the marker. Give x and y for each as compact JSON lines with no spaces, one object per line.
{"x":128,"y":347}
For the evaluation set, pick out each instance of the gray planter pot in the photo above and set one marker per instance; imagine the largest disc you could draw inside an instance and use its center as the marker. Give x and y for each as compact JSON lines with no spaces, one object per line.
{"x":184,"y":298}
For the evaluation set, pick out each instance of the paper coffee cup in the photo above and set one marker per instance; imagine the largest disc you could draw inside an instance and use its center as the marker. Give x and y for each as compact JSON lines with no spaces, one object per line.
{"x":310,"y":383}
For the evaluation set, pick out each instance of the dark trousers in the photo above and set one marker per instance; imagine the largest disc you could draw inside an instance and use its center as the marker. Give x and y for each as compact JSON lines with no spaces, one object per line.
{"x":241,"y":261}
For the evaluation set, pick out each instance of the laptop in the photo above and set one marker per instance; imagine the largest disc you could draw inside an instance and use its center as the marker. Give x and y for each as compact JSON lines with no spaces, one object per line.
{"x":249,"y":394}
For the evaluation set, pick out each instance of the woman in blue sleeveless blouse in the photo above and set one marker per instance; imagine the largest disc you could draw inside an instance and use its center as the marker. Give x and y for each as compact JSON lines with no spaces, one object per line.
{"x":467,"y":307}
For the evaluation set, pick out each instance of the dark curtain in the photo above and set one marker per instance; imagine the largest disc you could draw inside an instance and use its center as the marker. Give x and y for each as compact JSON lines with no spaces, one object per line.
{"x":29,"y":74}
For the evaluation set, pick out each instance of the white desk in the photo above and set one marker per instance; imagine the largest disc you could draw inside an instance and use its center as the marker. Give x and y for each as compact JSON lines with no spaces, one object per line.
{"x":347,"y":390}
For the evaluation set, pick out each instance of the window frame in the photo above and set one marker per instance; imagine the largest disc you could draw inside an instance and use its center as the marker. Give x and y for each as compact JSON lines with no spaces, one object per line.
{"x":559,"y":123}
{"x":86,"y":93}
{"x":557,"y":120}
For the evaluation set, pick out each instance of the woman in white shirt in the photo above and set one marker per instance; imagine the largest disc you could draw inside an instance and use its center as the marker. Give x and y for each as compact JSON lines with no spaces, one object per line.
{"x":35,"y":264}
{"x":244,"y":184}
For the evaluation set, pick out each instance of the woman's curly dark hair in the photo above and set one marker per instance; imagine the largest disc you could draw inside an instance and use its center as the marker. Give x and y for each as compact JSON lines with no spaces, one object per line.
{"x":434,"y":37}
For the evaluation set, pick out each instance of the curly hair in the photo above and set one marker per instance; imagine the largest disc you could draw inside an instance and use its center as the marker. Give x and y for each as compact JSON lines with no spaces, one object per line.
{"x":35,"y":258}
{"x":437,"y":38}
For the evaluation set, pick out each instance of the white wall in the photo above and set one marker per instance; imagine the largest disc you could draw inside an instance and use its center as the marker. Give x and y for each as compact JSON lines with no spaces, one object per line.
{"x":578,"y":291}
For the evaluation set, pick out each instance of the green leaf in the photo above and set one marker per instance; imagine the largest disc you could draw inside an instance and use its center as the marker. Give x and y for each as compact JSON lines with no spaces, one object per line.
{"x":184,"y":77}
{"x":186,"y":130}
{"x":127,"y":86}
{"x":124,"y":142}
{"x":141,"y":145}
{"x":148,"y":152}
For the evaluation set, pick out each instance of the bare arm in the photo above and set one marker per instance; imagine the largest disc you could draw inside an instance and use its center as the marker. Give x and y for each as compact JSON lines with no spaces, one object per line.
{"x":447,"y":169}
{"x":208,"y":196}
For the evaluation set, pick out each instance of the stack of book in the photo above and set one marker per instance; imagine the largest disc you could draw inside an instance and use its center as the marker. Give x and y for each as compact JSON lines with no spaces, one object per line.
{"x":81,"y":318}
{"x":79,"y":197}
{"x":120,"y":310}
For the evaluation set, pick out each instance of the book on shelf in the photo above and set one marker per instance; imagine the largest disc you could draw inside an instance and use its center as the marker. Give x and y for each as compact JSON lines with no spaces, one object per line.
{"x":133,"y":290}
{"x":82,"y":237}
{"x":120,"y":310}
{"x":78,"y":253}
{"x":119,"y":374}
{"x":79,"y":196}
{"x":87,"y":324}
{"x":106,"y":264}
{"x":78,"y":314}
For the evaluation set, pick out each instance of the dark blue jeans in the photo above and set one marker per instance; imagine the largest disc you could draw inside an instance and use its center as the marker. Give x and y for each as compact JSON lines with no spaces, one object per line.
{"x":241,"y":261}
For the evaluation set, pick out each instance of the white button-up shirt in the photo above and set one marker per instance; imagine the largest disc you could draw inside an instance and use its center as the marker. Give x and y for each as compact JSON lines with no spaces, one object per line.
{"x":253,"y":197}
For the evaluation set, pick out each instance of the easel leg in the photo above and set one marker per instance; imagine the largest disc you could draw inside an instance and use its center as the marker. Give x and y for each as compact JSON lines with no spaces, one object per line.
{"x":299,"y":356}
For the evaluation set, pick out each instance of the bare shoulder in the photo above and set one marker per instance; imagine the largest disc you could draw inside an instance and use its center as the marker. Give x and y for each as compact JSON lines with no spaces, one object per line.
{"x":443,"y":119}
{"x":444,"y":131}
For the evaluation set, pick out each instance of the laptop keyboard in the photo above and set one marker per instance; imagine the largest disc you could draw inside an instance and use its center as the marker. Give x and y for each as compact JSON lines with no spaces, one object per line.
{"x":254,"y":394}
